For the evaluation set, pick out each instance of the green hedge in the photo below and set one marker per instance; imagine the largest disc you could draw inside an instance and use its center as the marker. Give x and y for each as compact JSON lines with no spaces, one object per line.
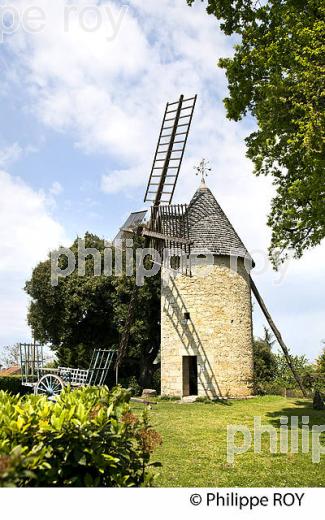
{"x":12,"y":384}
{"x":88,"y":437}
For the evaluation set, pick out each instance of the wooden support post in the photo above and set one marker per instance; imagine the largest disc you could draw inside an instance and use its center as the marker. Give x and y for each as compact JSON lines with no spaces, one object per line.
{"x":278,"y":336}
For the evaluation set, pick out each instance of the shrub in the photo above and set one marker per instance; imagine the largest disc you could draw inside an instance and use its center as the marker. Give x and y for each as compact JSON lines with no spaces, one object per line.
{"x":318,"y":401}
{"x":265,"y":366}
{"x":270,"y":388}
{"x":156,"y":380}
{"x":12,"y":384}
{"x":296,"y":392}
{"x":133,"y":386}
{"x":88,"y":437}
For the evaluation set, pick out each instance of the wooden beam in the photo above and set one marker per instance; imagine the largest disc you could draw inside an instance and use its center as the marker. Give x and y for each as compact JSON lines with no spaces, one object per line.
{"x":153,"y":234}
{"x":278,"y":336}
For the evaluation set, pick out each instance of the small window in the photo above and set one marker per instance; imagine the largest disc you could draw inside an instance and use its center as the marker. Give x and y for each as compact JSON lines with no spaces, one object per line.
{"x":175,"y":262}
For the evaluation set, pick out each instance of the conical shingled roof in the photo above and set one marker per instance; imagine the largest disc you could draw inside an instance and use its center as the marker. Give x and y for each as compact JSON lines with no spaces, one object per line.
{"x":210,"y":229}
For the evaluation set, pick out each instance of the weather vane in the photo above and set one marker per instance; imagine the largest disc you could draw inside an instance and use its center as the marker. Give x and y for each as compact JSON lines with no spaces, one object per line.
{"x":203,"y":169}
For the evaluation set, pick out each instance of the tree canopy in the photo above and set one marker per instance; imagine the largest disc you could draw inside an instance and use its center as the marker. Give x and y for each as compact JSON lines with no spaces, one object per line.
{"x":10,"y":356}
{"x":302,"y":366}
{"x":86,"y":312}
{"x":320,"y":362}
{"x":277,"y":75}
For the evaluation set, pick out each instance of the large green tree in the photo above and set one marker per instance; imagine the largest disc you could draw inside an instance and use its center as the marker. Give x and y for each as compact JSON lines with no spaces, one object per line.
{"x":85,"y":312}
{"x":277,"y":74}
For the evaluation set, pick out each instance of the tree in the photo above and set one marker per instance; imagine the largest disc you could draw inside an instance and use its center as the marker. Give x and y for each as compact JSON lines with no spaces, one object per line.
{"x":277,"y":76}
{"x":303,"y":368}
{"x":320,"y":362}
{"x":86,"y":312}
{"x":10,"y":356}
{"x":265,"y":366}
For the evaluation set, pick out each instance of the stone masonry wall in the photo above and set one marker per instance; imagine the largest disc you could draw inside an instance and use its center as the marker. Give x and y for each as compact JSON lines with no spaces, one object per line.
{"x":219,"y":331}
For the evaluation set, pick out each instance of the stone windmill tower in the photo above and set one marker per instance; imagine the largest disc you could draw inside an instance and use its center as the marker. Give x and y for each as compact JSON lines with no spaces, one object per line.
{"x":206,"y":319}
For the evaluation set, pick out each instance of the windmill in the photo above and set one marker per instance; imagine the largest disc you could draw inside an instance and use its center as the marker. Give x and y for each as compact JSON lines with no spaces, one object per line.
{"x":167,"y":226}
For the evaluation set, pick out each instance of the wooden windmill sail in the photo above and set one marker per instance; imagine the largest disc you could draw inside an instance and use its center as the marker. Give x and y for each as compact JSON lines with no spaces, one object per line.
{"x":170,"y":150}
{"x":168,"y":224}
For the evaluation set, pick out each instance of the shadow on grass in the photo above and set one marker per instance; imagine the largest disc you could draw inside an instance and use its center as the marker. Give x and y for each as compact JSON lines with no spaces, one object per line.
{"x":224,"y":402}
{"x":302,"y":408}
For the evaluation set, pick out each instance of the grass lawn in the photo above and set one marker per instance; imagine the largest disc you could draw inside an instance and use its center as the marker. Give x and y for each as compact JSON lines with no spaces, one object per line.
{"x":194,"y":449}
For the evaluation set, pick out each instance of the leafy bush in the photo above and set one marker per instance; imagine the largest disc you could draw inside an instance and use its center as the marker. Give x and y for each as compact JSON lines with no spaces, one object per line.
{"x":12,"y":384}
{"x":319,"y":383}
{"x":156,"y":380}
{"x":272,"y":375}
{"x":270,"y":388}
{"x":303,"y":368}
{"x":296,"y":392}
{"x":88,"y":437}
{"x":318,"y":401}
{"x":134,"y":386}
{"x":131,"y":384}
{"x":265,"y":366}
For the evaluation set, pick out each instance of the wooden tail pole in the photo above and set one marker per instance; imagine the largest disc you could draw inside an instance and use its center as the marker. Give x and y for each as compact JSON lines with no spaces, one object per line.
{"x":278,"y":336}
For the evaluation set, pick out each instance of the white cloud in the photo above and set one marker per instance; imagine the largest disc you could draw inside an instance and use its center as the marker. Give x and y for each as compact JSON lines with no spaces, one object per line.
{"x":120,"y":180}
{"x":14,"y":152}
{"x":111,"y":93}
{"x":56,"y":189}
{"x":27,"y":229}
{"x":27,"y":233}
{"x":10,"y":154}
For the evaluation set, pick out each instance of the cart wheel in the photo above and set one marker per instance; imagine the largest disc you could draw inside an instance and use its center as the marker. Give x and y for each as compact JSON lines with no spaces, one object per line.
{"x":50,"y":385}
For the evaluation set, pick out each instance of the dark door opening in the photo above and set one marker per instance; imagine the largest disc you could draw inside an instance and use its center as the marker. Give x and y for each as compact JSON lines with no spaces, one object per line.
{"x":190,"y":375}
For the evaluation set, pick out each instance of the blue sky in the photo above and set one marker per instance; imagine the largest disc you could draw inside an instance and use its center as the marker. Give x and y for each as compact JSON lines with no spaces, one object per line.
{"x":80,"y":115}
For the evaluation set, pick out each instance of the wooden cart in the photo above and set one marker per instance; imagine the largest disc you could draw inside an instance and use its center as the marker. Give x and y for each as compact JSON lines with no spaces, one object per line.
{"x":51,"y":381}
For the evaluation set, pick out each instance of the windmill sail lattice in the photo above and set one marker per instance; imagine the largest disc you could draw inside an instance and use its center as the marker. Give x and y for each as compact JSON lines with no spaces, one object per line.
{"x":168,"y":224}
{"x":170,"y":150}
